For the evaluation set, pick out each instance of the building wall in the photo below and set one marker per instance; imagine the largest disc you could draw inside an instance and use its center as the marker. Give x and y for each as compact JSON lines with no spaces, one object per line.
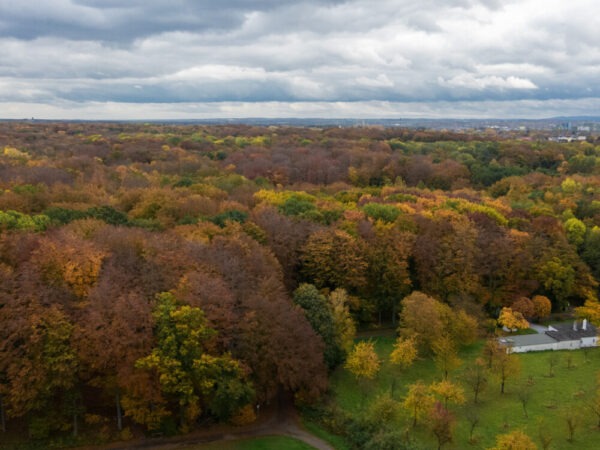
{"x":533,"y":348}
{"x":563,"y":345}
{"x":568,"y":345}
{"x":589,"y":341}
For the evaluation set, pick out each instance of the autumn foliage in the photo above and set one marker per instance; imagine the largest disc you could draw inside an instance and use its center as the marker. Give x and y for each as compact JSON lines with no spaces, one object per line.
{"x":512,"y":319}
{"x":269,"y":246}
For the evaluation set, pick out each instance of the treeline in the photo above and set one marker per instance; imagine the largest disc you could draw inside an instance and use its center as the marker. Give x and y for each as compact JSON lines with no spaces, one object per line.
{"x":151,"y":270}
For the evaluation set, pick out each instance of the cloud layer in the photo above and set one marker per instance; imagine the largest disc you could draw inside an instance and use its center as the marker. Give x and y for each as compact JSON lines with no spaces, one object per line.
{"x":314,"y":57}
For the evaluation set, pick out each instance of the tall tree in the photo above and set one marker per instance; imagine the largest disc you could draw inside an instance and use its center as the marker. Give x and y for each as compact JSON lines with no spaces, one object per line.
{"x":476,"y":377}
{"x":388,"y":280}
{"x":320,"y":317}
{"x":116,"y":332}
{"x":343,"y":323}
{"x":363,"y":361}
{"x":427,"y":320}
{"x":506,"y":365}
{"x":525,"y":306}
{"x":441,"y":422}
{"x":445,"y":354}
{"x":404,"y":353}
{"x":444,"y":254}
{"x":334,"y":259}
{"x":188,"y":370}
{"x":447,"y":391}
{"x":39,"y":364}
{"x":542,"y":306}
{"x":418,"y":401}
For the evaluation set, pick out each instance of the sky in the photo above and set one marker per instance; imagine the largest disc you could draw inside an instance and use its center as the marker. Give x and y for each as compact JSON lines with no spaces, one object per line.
{"x":201,"y":59}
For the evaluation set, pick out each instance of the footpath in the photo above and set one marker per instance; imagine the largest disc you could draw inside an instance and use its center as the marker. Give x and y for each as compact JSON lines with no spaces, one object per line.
{"x":280,"y":419}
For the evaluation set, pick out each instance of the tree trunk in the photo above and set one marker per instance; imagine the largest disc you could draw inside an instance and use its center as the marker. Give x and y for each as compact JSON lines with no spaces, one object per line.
{"x":75,"y":424}
{"x":119,"y":414}
{"x":2,"y":418}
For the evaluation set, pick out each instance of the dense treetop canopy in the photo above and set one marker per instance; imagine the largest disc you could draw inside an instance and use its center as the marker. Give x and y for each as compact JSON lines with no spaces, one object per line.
{"x":99,"y":222}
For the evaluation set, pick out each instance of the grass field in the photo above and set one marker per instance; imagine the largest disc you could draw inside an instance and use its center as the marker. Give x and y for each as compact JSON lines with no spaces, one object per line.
{"x":262,"y":443}
{"x":335,"y":441}
{"x":569,"y":391}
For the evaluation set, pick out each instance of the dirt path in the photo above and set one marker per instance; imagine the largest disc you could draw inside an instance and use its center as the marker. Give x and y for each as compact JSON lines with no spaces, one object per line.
{"x":280,"y":419}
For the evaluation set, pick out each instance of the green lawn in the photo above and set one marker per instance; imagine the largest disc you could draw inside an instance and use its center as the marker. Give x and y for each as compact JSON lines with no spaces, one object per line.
{"x":262,"y":443}
{"x":549,"y":397}
{"x":335,"y":441}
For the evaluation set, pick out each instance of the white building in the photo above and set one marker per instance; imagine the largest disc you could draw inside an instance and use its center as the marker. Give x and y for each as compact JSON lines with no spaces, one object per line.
{"x":556,"y":337}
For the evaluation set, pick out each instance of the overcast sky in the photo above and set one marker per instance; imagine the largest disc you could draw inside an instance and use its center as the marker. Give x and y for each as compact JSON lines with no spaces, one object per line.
{"x":150,"y":59}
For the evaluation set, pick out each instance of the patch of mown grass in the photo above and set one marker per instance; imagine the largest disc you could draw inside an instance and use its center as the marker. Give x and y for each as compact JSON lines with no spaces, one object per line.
{"x":522,"y":332}
{"x":259,"y":443}
{"x":548,"y":399}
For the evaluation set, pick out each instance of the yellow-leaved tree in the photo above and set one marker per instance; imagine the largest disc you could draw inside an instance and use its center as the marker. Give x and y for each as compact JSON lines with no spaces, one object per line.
{"x":403,"y":355}
{"x":419,"y":401}
{"x":515,"y":440}
{"x":363,"y":361}
{"x":512,"y":319}
{"x":404,"y":352}
{"x":590,"y":310}
{"x":344,"y":326}
{"x":448,"y":392}
{"x":446,"y":355}
{"x":188,"y":374}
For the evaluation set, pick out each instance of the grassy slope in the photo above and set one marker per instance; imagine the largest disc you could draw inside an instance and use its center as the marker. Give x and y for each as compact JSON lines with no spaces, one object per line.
{"x":549,"y":398}
{"x":335,"y":441}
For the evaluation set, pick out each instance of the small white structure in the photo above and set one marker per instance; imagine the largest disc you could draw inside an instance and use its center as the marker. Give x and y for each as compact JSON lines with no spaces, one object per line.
{"x":556,"y":337}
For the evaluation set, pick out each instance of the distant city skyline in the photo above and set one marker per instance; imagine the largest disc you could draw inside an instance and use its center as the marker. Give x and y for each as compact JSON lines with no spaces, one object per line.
{"x":178,"y":59}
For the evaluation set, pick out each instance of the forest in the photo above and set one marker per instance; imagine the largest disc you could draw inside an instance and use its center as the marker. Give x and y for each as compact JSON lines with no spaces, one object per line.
{"x":155,"y":277}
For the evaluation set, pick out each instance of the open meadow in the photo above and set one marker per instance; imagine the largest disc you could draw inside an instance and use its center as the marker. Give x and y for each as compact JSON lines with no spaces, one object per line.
{"x":541,"y":405}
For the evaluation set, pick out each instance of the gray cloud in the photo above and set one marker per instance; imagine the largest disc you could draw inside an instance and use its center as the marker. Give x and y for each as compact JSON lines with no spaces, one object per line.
{"x":314,"y":52}
{"x":121,"y":21}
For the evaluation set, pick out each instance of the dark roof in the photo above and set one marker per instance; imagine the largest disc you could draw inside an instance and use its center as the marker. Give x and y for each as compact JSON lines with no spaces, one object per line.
{"x":565,"y":332}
